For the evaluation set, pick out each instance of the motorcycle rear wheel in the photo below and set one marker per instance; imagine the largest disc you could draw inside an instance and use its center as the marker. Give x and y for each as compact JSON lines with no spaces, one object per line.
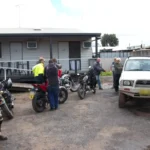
{"x":38,"y":103}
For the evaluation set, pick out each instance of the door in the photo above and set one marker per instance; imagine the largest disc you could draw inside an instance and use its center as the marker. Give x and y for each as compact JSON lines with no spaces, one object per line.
{"x":74,"y":49}
{"x":63,"y":54}
{"x":75,"y":55}
{"x":16,"y":51}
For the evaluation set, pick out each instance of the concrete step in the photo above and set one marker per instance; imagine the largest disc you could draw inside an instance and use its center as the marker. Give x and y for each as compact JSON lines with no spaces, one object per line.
{"x":21,"y":87}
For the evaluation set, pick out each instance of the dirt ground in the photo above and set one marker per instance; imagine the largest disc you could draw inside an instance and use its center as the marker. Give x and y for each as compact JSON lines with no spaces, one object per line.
{"x":95,"y":123}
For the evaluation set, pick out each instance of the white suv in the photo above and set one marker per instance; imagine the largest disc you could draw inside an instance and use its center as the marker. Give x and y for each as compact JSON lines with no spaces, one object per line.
{"x":135,"y":79}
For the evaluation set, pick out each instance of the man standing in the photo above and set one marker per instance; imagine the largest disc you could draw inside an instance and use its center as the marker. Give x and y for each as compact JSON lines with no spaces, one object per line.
{"x":57,"y":64}
{"x":112,"y":68}
{"x":98,"y":69}
{"x":2,"y":137}
{"x":53,"y":85}
{"x":38,"y":71}
{"x":118,"y":69}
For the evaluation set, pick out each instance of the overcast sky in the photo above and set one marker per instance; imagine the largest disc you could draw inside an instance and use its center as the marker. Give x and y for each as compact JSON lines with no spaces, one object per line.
{"x":128,"y":19}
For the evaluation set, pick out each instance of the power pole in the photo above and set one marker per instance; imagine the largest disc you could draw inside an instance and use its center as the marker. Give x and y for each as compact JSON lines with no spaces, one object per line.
{"x":19,"y":13}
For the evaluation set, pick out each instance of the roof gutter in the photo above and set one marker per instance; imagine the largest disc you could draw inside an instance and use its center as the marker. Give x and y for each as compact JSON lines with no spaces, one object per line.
{"x":49,"y":34}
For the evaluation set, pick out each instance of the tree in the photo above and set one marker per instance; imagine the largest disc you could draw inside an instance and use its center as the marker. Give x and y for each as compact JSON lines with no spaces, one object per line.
{"x":109,"y":40}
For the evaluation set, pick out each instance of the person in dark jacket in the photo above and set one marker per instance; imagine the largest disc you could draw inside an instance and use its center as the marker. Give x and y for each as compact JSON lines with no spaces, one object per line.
{"x":53,"y":84}
{"x":98,"y":69}
{"x":2,"y":137}
{"x":112,"y":68}
{"x":57,"y":64}
{"x":92,"y":77}
{"x":118,"y":69}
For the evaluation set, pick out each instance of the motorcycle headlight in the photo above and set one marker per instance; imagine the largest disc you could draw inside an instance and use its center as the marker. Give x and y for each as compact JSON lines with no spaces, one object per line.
{"x":1,"y":92}
{"x":128,"y":83}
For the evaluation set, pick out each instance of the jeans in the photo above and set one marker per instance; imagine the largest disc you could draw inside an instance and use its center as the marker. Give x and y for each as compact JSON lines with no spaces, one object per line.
{"x":53,"y":91}
{"x":98,"y":81}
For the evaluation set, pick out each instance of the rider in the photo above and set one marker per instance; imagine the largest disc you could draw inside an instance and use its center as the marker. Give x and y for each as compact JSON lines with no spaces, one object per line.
{"x":38,"y":71}
{"x":98,"y":69}
{"x":2,"y":137}
{"x":53,"y":84}
{"x":92,"y":77}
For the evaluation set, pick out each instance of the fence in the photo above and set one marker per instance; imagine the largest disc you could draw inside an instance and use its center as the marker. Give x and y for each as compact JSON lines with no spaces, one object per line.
{"x":142,"y":52}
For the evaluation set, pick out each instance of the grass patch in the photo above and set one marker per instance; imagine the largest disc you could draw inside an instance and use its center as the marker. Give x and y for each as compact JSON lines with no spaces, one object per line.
{"x":107,"y":73}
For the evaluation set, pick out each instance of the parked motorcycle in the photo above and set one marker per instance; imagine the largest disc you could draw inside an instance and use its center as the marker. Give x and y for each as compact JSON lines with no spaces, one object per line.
{"x":39,"y":96}
{"x":85,"y":87}
{"x":67,"y":81}
{"x":6,"y":99}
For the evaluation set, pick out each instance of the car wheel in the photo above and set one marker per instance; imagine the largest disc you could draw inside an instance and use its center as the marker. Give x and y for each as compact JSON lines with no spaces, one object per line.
{"x":122,"y":100}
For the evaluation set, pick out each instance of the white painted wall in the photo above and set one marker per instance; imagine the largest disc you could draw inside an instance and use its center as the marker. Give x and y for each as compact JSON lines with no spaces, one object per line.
{"x":60,"y":48}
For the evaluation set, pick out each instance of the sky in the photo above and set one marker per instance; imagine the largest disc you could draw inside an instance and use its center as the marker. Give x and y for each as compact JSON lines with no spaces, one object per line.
{"x":128,"y":19}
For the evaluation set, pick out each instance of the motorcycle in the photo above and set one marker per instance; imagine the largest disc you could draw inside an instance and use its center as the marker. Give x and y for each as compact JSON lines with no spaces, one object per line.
{"x":67,"y":81}
{"x":85,"y":86}
{"x":6,"y":99}
{"x":39,"y":96}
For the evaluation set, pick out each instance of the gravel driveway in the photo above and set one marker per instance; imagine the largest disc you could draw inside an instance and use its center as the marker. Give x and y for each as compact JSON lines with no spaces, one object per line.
{"x":95,"y":123}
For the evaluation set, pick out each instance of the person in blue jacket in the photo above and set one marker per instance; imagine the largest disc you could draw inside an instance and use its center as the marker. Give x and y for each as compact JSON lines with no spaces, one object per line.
{"x":98,"y":69}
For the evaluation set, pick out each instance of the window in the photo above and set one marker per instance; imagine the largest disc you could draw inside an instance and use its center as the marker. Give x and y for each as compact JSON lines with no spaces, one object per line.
{"x":31,"y":44}
{"x":138,"y":65}
{"x":0,"y":50}
{"x":75,"y":64}
{"x":87,"y":44}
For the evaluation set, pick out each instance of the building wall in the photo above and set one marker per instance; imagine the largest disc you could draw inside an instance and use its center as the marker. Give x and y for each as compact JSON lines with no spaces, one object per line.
{"x":43,"y":49}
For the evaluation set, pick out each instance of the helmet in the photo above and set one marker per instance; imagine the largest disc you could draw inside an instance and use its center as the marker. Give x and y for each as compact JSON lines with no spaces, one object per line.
{"x":9,"y":83}
{"x":59,"y":66}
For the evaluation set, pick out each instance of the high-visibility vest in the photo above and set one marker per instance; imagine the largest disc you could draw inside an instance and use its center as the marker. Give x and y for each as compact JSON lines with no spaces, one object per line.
{"x":38,"y":69}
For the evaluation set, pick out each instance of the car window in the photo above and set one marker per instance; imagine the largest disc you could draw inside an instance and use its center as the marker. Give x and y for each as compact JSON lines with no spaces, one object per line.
{"x":137,"y":65}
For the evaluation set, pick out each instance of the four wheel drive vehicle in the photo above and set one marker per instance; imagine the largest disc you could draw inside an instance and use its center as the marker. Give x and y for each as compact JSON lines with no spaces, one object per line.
{"x":135,"y":80}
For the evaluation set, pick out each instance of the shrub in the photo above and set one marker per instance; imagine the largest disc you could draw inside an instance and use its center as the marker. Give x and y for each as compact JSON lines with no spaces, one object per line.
{"x":107,"y":73}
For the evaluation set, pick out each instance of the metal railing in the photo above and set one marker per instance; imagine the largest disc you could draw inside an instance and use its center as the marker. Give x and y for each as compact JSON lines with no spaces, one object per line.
{"x":21,"y":68}
{"x":5,"y":69}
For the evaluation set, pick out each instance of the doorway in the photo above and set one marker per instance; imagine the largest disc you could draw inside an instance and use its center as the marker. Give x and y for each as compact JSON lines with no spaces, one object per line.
{"x":75,"y":55}
{"x":16,"y":51}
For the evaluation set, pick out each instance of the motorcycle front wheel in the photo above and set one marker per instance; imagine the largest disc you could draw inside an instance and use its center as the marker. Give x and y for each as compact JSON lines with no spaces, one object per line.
{"x":81,"y":92}
{"x":63,"y":95}
{"x":74,"y":86}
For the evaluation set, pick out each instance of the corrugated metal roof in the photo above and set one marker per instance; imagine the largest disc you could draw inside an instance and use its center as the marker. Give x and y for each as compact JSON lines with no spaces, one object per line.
{"x":44,"y":31}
